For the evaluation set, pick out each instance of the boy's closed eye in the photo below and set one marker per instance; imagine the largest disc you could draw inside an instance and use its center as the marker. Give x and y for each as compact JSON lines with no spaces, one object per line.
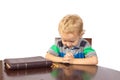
{"x":72,"y":41}
{"x":68,"y":41}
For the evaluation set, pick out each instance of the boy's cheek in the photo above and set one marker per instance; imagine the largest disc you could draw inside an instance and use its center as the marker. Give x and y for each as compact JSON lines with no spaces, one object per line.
{"x":76,"y":43}
{"x":64,"y":44}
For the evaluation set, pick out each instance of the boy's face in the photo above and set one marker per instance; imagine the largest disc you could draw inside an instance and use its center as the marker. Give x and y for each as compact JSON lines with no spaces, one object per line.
{"x":70,"y":39}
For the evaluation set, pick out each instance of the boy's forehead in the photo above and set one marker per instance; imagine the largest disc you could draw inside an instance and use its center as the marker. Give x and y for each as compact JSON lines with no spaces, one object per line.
{"x":69,"y":36}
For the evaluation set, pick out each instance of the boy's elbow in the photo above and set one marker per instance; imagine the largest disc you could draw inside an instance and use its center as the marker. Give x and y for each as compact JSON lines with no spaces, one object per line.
{"x":47,"y":56}
{"x":95,"y":60}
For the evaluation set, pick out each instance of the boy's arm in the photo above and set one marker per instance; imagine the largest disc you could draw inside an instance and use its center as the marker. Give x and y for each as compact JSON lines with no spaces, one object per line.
{"x":90,"y":55}
{"x":56,"y":58}
{"x":93,"y":60}
{"x":53,"y":58}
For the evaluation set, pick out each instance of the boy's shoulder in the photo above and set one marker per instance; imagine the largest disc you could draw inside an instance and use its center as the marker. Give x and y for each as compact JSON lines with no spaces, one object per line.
{"x":84,"y":42}
{"x":58,"y":42}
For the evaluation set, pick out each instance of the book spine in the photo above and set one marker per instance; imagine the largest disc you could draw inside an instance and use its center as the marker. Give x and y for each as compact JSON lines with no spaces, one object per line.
{"x":30,"y":65}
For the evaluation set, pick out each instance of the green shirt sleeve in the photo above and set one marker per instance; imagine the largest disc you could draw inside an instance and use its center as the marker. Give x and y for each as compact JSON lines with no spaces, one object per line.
{"x":55,"y":48}
{"x":88,"y":50}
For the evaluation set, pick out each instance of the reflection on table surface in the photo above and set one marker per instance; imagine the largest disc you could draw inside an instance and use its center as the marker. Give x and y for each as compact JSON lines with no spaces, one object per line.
{"x":74,"y":72}
{"x":61,"y":72}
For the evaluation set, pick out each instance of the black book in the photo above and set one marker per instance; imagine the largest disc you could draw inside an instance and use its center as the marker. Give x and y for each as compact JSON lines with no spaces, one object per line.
{"x":26,"y":63}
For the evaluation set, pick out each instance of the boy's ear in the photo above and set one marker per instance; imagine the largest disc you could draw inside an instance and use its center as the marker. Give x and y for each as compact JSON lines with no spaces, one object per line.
{"x":83,"y":32}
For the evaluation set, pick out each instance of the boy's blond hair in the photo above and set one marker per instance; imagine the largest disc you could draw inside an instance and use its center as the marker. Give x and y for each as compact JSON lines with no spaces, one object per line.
{"x":70,"y":24}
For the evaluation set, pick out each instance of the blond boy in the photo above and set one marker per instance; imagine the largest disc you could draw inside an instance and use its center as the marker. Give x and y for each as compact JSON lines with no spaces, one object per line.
{"x":72,"y":48}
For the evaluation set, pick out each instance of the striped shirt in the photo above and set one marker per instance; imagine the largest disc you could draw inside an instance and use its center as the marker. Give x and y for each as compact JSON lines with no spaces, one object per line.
{"x":82,"y":50}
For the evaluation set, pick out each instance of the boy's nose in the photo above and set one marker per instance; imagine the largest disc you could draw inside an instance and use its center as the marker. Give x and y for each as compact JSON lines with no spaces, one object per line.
{"x":69,"y":44}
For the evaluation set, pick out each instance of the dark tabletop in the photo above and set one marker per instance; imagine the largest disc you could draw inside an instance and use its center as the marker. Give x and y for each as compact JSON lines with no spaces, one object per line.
{"x":63,"y":72}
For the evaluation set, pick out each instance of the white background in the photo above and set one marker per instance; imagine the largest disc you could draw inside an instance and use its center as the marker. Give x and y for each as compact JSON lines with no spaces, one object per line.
{"x":28,"y":27}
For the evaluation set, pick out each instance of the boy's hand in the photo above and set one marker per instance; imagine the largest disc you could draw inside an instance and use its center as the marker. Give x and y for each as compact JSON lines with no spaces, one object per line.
{"x":65,"y":60}
{"x":68,"y":57}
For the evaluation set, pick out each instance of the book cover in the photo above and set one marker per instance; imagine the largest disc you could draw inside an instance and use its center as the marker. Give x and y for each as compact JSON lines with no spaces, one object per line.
{"x":26,"y":63}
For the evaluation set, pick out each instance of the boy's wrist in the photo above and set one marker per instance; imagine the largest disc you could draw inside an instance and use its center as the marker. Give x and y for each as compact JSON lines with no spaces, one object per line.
{"x":72,"y":61}
{"x":65,"y":60}
{"x":60,"y":59}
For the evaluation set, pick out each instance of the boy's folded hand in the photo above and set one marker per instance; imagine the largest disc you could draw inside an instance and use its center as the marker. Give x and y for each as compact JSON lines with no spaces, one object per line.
{"x":68,"y":57}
